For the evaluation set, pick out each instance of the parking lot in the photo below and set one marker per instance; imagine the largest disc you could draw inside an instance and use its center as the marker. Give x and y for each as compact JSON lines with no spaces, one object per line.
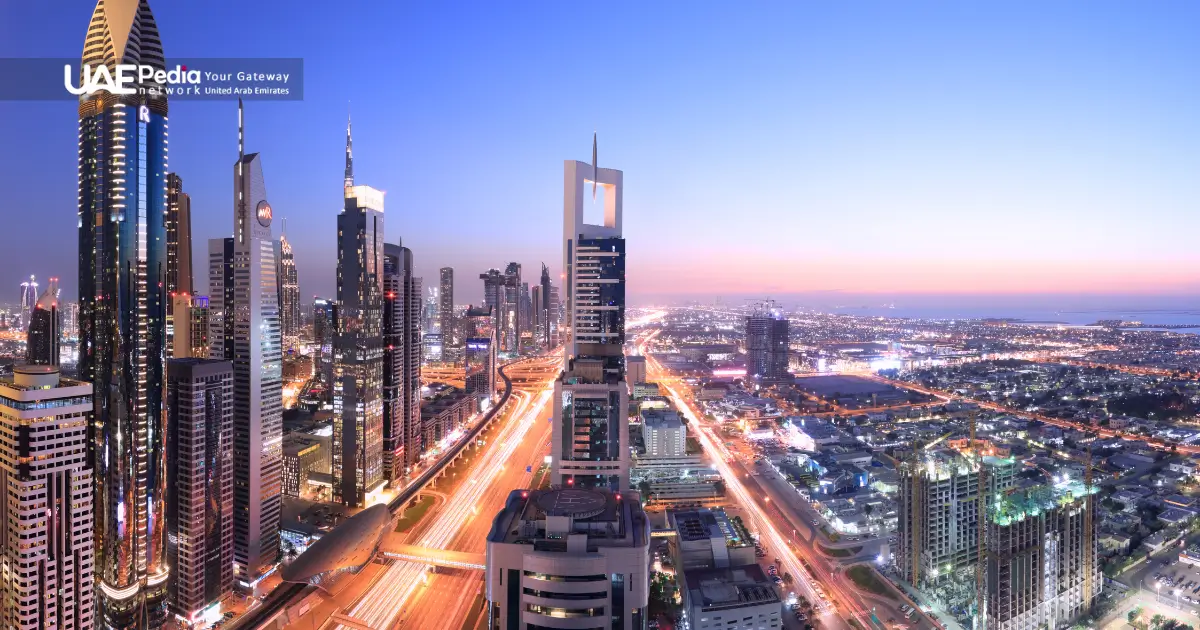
{"x":1176,"y":580}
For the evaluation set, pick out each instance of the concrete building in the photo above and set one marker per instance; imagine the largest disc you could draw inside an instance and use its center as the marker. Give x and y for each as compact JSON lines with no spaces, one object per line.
{"x":635,"y":370}
{"x":444,"y":411}
{"x":479,"y":353}
{"x":122,"y":203}
{"x":200,"y":501}
{"x":198,"y":317}
{"x":1037,"y":559}
{"x":939,"y":513}
{"x":323,"y":326}
{"x":591,"y":410}
{"x":664,"y":433}
{"x":449,"y":324}
{"x":568,"y":558}
{"x":721,"y":585}
{"x":46,"y":510}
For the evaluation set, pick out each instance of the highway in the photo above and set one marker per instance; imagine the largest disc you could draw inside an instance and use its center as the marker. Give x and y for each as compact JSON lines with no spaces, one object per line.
{"x":768,"y":521}
{"x":407,"y":593}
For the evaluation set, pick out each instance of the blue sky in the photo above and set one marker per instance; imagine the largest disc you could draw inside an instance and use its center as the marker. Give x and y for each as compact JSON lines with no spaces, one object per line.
{"x":768,"y":147}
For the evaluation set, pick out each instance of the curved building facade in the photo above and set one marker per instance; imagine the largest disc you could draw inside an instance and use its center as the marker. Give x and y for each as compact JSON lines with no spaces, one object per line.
{"x":122,"y":279}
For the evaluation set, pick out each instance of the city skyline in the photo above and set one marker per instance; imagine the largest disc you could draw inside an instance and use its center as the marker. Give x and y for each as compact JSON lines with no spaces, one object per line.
{"x":883,"y":171}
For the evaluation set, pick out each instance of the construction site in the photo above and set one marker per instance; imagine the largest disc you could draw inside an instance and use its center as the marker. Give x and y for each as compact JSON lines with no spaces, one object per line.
{"x":995,"y":549}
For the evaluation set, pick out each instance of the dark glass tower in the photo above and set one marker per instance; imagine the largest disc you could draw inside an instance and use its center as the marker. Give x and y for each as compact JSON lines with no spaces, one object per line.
{"x":42,"y":340}
{"x":767,"y":347}
{"x":402,"y":436}
{"x":123,"y":300}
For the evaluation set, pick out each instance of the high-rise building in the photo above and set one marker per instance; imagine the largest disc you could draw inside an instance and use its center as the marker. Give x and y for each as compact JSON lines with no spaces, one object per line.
{"x":221,"y":298}
{"x":122,"y":196}
{"x":44,"y":336}
{"x":322,"y":355}
{"x":1038,"y":558}
{"x":179,"y":253}
{"x":450,"y":337}
{"x":358,"y":346}
{"x":200,"y":498}
{"x":46,"y":537}
{"x":479,"y":354}
{"x":556,"y":316}
{"x":493,"y":299}
{"x":767,"y":346}
{"x":179,"y":344}
{"x":511,"y":323}
{"x":289,"y":296}
{"x":543,"y":310}
{"x":591,"y":421}
{"x":29,"y":297}
{"x":198,"y":318}
{"x":525,"y":316}
{"x":302,"y":455}
{"x":939,"y":513}
{"x":257,"y":374}
{"x":569,"y":558}
{"x":402,"y":435}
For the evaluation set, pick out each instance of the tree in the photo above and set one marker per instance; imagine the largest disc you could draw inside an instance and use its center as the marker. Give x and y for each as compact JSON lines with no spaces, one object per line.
{"x":719,"y":488}
{"x":1156,"y":621}
{"x":787,"y":578}
{"x":1134,"y":614}
{"x":868,"y":508}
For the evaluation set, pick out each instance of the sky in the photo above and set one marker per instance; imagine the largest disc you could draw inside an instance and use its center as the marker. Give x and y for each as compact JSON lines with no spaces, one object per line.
{"x":769,"y":148}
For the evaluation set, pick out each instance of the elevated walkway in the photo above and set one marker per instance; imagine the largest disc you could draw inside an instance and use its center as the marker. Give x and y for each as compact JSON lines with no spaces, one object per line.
{"x":435,"y":557}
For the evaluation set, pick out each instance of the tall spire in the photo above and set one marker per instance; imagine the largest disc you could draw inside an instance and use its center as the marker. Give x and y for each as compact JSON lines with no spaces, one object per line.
{"x":241,"y":133}
{"x":349,"y":155}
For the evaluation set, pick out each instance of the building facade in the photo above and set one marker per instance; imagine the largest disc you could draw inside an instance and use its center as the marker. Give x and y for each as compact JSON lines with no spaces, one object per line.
{"x":358,"y":349}
{"x":450,"y":337}
{"x":123,"y":302}
{"x":179,"y":253}
{"x":46,"y":509}
{"x":257,"y":374}
{"x":43,"y":339}
{"x":200,"y":501}
{"x":590,"y":430}
{"x":767,"y":347}
{"x":568,"y":558}
{"x":289,"y":296}
{"x":479,"y":352}
{"x":322,"y":356}
{"x":403,"y":443}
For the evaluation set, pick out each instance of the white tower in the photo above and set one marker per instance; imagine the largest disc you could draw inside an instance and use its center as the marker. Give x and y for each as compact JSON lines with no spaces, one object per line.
{"x":257,"y":374}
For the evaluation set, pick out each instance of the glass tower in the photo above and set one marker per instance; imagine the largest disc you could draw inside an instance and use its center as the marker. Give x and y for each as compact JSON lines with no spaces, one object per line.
{"x":122,"y":297}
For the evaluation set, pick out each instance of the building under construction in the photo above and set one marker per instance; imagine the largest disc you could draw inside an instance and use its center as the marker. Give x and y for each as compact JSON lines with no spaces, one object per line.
{"x":1037,"y":565}
{"x":939,"y":505}
{"x":1041,"y":570}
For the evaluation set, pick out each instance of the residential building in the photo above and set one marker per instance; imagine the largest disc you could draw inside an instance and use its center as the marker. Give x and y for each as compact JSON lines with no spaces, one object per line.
{"x":46,"y":491}
{"x":289,"y":296}
{"x":767,"y":347}
{"x":200,"y":499}
{"x":568,"y":558}
{"x":479,"y":353}
{"x":402,"y":435}
{"x":664,"y":433}
{"x":179,"y":254}
{"x":323,"y":326}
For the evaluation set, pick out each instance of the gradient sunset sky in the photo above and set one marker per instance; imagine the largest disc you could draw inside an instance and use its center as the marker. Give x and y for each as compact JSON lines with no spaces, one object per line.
{"x":769,"y":148}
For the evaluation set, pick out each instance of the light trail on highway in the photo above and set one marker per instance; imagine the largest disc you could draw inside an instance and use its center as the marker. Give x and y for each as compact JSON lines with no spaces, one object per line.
{"x":385,"y":601}
{"x":767,"y":530}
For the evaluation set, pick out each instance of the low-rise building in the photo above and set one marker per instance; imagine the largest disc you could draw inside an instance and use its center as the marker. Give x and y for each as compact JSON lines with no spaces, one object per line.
{"x":302,"y":456}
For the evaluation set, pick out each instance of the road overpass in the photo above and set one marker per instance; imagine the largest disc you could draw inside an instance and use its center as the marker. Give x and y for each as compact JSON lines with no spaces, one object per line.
{"x":435,"y":557}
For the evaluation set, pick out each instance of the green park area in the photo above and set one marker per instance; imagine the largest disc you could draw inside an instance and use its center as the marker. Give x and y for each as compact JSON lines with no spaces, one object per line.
{"x":415,"y":513}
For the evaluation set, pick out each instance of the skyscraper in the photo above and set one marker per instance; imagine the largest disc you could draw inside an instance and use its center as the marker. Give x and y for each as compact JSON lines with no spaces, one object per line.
{"x":767,"y":346}
{"x":257,"y":373}
{"x":323,"y":338}
{"x":542,"y":306}
{"x":493,"y":298}
{"x":590,"y":425}
{"x":46,"y":538}
{"x":200,"y":469}
{"x":450,"y":337}
{"x":479,"y":356}
{"x":179,"y":251}
{"x":29,"y":297}
{"x":198,"y":318}
{"x":221,"y":298}
{"x":43,"y":336}
{"x":402,"y":434}
{"x":510,"y":332}
{"x":123,"y":302}
{"x":358,"y":345}
{"x":289,"y":296}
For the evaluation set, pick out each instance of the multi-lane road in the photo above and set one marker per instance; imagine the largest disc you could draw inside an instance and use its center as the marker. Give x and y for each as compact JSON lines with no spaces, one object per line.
{"x":409,"y":595}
